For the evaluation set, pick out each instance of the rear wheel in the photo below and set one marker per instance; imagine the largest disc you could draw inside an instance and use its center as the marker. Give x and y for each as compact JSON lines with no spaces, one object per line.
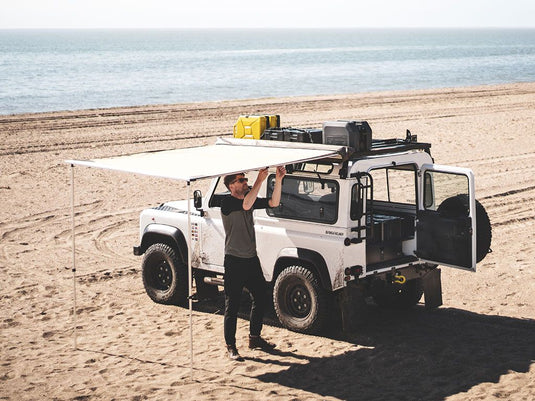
{"x":300,"y":302}
{"x":398,"y":296}
{"x":165,"y":276}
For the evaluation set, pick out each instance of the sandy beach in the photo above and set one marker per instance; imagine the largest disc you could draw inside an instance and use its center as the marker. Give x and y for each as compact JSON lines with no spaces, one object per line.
{"x":480,"y":345}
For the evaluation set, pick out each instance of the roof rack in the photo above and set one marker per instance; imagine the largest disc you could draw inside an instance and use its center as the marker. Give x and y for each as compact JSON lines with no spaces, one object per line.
{"x":382,"y":146}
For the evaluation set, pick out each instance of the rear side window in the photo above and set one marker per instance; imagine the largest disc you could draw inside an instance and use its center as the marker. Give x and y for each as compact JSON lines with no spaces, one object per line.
{"x":446,"y":190}
{"x":309,"y":199}
{"x":395,"y":184}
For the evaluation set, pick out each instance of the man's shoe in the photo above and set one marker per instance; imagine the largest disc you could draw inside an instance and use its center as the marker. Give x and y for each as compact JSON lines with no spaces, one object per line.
{"x":233,"y":353}
{"x":257,"y":342}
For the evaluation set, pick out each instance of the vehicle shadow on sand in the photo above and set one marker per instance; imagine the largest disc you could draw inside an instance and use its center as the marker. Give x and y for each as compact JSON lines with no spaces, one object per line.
{"x":412,"y":355}
{"x":417,"y":355}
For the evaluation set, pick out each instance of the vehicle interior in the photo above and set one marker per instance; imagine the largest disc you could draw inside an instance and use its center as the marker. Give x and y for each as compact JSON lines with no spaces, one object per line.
{"x":391,"y":199}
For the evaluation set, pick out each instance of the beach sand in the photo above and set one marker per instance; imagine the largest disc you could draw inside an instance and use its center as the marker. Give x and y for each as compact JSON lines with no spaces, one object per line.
{"x":480,"y":345}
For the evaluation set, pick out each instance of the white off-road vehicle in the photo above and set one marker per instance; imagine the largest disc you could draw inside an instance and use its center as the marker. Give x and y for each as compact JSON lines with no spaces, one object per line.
{"x":378,"y":219}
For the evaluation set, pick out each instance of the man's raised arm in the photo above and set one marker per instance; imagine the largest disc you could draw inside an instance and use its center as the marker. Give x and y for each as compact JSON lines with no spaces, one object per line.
{"x":276,"y":196}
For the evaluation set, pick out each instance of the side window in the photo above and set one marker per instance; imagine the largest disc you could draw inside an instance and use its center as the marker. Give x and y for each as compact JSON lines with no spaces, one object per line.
{"x":395,"y":184}
{"x":305,"y":198}
{"x":446,"y":192}
{"x":220,"y":191}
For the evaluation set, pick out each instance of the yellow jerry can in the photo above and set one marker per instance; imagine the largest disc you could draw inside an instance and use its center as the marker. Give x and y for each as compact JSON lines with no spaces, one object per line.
{"x":253,"y":126}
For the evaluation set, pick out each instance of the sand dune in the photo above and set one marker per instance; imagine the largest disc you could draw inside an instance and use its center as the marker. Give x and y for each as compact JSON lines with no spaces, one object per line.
{"x":479,"y":346}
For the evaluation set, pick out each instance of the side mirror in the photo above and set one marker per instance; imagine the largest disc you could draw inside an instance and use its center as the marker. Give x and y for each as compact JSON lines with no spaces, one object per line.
{"x":197,"y":199}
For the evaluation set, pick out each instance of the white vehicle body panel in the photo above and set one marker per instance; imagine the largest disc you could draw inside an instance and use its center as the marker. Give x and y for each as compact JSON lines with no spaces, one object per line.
{"x":283,"y":237}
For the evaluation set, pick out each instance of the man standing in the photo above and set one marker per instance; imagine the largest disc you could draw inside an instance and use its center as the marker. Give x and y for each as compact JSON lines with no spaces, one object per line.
{"x":242,"y":266}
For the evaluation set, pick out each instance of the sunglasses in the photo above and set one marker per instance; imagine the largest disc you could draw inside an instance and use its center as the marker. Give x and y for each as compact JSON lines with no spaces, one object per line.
{"x":240,"y":180}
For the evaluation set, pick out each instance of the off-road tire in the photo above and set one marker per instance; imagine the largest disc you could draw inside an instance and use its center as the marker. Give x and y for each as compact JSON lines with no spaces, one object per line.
{"x":165,"y":275}
{"x":301,"y":303}
{"x":458,"y":206}
{"x":398,"y":296}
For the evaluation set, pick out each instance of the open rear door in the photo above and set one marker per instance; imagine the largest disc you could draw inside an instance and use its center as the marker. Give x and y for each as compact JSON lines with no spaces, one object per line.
{"x":446,"y":223}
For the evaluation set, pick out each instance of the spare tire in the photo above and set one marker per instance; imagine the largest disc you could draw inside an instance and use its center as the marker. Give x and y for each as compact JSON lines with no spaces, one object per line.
{"x":457,"y":206}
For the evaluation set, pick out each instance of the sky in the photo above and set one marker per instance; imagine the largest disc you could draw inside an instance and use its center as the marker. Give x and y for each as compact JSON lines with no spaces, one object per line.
{"x":51,"y":14}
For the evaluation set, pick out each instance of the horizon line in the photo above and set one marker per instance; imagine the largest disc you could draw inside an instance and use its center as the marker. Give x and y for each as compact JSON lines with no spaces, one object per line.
{"x":263,"y":28}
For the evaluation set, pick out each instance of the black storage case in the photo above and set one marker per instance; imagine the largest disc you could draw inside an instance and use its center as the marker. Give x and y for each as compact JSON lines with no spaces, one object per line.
{"x":305,"y":135}
{"x":378,"y":253}
{"x":385,"y":228}
{"x":385,"y":235}
{"x":355,"y":134}
{"x":389,"y":228}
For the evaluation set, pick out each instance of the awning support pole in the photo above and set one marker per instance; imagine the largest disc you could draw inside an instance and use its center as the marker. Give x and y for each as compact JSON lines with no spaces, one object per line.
{"x":73,"y":257}
{"x":190,"y":282}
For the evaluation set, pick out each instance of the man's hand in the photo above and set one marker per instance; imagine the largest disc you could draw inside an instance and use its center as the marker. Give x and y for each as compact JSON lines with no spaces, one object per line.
{"x":262,"y":174}
{"x":281,"y":172}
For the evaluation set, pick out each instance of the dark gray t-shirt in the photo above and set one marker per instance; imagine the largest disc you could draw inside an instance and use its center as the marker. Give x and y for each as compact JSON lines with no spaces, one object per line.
{"x":240,"y":237}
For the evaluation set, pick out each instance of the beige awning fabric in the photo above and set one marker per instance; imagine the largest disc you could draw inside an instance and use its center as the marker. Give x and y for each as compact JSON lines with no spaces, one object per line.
{"x":227,"y":156}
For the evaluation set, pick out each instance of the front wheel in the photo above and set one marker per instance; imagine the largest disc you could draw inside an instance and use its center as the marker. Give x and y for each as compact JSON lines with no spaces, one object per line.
{"x":300,"y":302}
{"x":165,"y":276}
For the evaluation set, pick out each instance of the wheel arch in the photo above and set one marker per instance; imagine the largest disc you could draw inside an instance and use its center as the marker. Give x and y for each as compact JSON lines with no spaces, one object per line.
{"x":306,"y":257}
{"x":172,"y":236}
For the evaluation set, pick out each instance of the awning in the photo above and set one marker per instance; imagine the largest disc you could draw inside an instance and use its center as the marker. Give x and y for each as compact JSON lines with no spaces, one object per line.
{"x":227,"y":156}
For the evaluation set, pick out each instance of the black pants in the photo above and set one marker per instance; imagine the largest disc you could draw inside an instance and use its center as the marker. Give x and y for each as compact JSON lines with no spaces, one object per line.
{"x":239,"y":273}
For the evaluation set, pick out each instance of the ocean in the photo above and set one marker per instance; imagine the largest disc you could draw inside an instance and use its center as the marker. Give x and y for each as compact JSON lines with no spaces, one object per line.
{"x":49,"y":70}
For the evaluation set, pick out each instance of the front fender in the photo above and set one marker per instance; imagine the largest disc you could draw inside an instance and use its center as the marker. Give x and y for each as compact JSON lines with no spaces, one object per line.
{"x":163,"y":233}
{"x":310,"y":257}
